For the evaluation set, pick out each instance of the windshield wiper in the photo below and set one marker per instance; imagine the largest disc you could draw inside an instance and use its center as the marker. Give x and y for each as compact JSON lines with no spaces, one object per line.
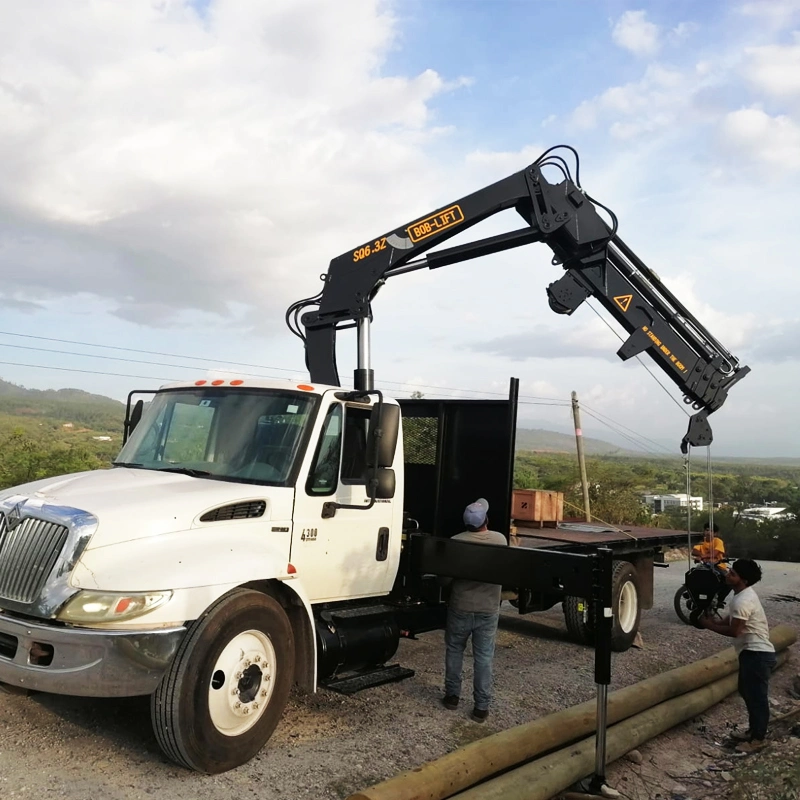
{"x":127,"y":464}
{"x":195,"y":473}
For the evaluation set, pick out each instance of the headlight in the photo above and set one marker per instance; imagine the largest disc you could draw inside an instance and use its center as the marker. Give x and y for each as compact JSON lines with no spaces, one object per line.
{"x":107,"y":607}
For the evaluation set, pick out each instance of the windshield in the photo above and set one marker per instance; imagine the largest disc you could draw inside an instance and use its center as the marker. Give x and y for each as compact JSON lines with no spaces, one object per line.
{"x":228,"y":434}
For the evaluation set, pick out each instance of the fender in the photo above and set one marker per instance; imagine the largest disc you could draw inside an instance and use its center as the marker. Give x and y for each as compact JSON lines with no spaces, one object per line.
{"x":180,"y":562}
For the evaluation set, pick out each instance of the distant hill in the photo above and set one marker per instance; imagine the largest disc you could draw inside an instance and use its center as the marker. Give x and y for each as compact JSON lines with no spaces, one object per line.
{"x":74,"y":406}
{"x":775,"y":461}
{"x":14,"y":390}
{"x":543,"y":441}
{"x":56,"y":408}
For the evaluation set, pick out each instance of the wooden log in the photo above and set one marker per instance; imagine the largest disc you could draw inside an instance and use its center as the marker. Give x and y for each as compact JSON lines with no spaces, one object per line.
{"x":457,"y":771}
{"x":547,"y":776}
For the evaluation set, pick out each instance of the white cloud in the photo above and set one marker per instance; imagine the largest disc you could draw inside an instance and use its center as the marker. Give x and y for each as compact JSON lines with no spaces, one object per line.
{"x":771,"y":141}
{"x":171,"y":161}
{"x":775,"y":69}
{"x":640,"y":107}
{"x":683,"y":31}
{"x":186,"y":167}
{"x":635,"y":33}
{"x":734,"y":330}
{"x":487,"y":166}
{"x":776,"y":13}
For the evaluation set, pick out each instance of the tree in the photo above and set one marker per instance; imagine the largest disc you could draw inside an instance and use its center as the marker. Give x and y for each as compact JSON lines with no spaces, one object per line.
{"x":24,"y":459}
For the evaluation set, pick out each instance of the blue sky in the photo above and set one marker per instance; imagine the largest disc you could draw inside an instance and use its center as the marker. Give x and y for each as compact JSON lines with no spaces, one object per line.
{"x":173,"y":175}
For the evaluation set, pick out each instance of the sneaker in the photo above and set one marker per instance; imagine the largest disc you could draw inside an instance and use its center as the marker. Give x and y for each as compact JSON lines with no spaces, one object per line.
{"x":753,"y":746}
{"x":450,"y":701}
{"x":480,"y":714}
{"x":740,"y":736}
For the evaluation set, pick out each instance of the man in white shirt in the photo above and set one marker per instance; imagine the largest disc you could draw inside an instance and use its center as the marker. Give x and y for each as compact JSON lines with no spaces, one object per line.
{"x":747,"y":625}
{"x":473,"y":610}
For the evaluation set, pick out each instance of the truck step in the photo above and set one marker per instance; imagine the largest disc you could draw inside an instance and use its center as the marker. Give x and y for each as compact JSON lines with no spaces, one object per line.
{"x":358,"y":612}
{"x":366,"y":679}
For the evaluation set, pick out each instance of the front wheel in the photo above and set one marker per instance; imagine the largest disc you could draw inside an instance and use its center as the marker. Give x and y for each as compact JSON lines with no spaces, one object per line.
{"x":225,"y":691}
{"x":684,"y":605}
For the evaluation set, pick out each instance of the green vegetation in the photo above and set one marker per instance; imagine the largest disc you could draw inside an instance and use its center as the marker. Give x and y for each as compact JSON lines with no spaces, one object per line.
{"x":82,"y":409}
{"x":617,"y":484}
{"x":46,"y":433}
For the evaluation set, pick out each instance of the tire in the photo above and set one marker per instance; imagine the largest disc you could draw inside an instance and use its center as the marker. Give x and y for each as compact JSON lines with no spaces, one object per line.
{"x":683,"y":605}
{"x":578,"y":618}
{"x":627,"y":608}
{"x":226,"y":689}
{"x":625,"y":604}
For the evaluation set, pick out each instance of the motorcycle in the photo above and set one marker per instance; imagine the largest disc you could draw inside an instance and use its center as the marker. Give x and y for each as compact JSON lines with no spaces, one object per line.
{"x":704,"y":590}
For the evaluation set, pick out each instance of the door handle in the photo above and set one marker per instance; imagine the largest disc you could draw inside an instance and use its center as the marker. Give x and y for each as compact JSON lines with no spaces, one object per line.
{"x":382,"y":551}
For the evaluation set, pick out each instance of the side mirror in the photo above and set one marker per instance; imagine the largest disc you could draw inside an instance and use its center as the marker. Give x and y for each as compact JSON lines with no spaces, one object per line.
{"x":385,"y":488}
{"x":386,"y":427}
{"x":135,"y":418}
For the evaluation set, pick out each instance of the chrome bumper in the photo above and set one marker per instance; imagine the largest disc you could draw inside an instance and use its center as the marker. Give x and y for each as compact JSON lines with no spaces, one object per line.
{"x":88,"y":663}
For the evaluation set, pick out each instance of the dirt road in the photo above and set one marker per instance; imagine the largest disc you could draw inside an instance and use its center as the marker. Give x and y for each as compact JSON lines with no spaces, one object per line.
{"x":328,"y":745}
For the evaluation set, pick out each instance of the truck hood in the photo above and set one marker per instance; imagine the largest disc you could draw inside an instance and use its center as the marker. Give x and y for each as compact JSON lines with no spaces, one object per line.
{"x":138,"y":503}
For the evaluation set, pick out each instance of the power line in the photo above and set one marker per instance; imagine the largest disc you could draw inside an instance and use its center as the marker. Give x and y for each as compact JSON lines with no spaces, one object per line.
{"x":561,"y":404}
{"x":652,"y":375}
{"x":625,"y":427}
{"x":624,"y":435}
{"x":129,"y":360}
{"x":474,"y":391}
{"x":89,"y":371}
{"x":173,"y":379}
{"x":145,"y":352}
{"x":206,"y":361}
{"x":183,"y":380}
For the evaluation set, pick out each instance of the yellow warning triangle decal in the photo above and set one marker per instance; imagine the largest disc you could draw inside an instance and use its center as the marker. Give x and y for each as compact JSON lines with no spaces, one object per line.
{"x":623,"y":301}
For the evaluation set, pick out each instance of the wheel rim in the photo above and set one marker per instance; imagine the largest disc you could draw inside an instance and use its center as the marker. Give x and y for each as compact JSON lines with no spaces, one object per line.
{"x":242,"y":681}
{"x":628,"y":606}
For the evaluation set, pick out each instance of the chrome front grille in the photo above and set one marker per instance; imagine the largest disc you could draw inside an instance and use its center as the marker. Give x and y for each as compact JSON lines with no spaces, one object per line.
{"x":28,"y":552}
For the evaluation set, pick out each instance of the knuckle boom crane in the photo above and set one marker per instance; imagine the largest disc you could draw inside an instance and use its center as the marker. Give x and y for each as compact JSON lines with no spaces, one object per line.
{"x":596,"y":261}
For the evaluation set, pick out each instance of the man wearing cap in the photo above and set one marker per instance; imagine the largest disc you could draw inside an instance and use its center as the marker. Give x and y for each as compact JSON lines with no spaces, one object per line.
{"x":473,"y":609}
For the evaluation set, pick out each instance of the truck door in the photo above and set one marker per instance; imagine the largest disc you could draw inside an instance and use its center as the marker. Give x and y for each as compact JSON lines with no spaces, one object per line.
{"x":344,"y":556}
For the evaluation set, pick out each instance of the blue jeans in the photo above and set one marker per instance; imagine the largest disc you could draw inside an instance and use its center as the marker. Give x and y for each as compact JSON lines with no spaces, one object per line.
{"x":483,"y":629}
{"x":754,"y":672}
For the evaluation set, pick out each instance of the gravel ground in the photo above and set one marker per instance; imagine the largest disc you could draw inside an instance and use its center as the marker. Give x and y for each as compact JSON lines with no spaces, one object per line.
{"x":328,"y":745}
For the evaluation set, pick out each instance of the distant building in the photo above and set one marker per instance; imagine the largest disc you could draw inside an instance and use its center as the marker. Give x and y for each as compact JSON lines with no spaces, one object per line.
{"x":760,"y":513}
{"x":659,"y":503}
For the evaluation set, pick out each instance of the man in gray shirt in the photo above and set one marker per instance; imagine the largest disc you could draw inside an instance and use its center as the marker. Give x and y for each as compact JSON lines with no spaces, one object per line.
{"x":473,"y":609}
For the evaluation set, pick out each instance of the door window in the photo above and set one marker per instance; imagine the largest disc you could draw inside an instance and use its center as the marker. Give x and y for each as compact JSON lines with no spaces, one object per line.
{"x":354,"y":453}
{"x":323,"y":478}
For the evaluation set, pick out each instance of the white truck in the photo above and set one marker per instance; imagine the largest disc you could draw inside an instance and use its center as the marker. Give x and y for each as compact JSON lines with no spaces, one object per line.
{"x":257,"y":534}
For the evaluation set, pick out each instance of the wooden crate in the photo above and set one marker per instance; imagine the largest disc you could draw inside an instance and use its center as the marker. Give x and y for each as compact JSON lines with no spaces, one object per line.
{"x":537,"y":506}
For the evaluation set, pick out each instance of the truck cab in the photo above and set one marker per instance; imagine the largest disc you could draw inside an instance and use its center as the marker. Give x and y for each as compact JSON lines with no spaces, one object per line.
{"x":222,"y":486}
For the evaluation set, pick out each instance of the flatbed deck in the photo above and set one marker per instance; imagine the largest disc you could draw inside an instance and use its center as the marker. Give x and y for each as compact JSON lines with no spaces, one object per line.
{"x":585,"y":534}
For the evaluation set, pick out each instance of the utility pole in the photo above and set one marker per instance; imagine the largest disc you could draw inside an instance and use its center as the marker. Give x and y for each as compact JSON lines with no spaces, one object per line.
{"x":576,"y":417}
